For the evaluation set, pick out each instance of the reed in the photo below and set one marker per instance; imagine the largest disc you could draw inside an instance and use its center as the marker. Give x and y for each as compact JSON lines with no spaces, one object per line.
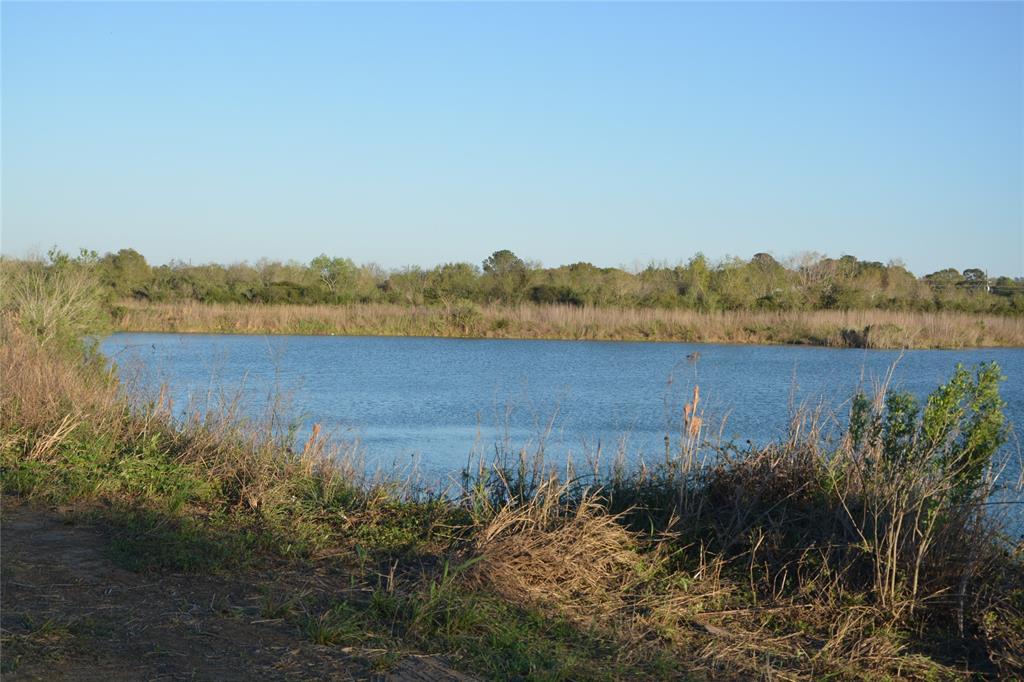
{"x":855,"y":328}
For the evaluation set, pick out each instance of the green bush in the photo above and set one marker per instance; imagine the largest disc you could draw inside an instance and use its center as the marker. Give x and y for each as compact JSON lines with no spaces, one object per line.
{"x":60,"y":302}
{"x":959,"y":431}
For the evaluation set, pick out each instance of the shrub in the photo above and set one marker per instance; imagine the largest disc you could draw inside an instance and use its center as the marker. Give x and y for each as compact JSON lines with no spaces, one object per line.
{"x":465,"y":314}
{"x":59,"y":303}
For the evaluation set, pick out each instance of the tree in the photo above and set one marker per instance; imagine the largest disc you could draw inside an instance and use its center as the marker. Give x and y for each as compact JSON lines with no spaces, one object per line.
{"x":975,"y":278}
{"x":944,"y":278}
{"x":696,"y":284}
{"x":812,"y":272}
{"x":502,"y":263}
{"x":406,"y":285}
{"x":450,"y":282}
{"x":767,"y":275}
{"x":126,"y":272}
{"x":507,"y":273}
{"x":338,"y":274}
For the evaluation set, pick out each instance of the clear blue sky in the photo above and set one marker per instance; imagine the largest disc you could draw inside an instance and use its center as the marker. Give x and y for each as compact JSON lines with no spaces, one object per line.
{"x":425,"y":133}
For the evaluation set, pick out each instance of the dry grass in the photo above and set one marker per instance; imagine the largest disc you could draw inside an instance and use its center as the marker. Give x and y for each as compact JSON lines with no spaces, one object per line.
{"x":45,"y":396}
{"x":580,"y":558}
{"x":577,"y":560}
{"x":871,"y":328}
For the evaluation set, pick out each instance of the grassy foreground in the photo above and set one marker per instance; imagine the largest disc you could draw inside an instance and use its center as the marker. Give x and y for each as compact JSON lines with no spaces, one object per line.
{"x":858,"y":329}
{"x":873,"y":557}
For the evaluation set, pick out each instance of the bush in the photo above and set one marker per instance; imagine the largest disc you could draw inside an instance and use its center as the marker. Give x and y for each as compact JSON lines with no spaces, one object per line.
{"x":60,"y":303}
{"x":550,"y":293}
{"x":465,"y":314}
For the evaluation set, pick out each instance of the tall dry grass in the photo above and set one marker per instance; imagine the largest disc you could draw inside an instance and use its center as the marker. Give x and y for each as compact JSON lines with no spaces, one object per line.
{"x":863,"y":328}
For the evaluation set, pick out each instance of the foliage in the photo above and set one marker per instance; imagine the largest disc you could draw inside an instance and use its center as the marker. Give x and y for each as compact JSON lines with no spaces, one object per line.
{"x":959,"y":431}
{"x":804,"y":282}
{"x":59,"y":301}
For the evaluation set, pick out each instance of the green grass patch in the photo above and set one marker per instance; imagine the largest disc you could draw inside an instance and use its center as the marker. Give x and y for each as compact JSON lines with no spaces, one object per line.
{"x":402,"y":527}
{"x":146,"y":540}
{"x":483,"y":634}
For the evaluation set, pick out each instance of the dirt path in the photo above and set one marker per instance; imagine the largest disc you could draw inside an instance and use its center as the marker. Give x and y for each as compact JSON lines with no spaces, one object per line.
{"x":68,"y":612}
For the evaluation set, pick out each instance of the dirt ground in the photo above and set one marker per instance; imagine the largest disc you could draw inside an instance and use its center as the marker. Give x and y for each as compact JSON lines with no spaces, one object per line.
{"x":67,"y":612}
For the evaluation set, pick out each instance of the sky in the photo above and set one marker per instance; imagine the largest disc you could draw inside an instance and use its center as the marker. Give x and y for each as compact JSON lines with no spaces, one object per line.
{"x":614,"y":133}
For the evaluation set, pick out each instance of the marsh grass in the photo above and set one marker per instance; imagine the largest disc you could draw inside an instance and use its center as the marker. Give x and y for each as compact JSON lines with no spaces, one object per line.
{"x":863,"y":328}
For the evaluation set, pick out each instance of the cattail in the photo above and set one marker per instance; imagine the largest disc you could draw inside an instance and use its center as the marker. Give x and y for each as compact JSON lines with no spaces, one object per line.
{"x":693,"y":429}
{"x":312,"y":439}
{"x":690,"y":418}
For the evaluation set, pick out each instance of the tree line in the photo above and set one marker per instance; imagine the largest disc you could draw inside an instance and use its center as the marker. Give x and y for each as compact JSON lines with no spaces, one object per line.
{"x":808,"y":281}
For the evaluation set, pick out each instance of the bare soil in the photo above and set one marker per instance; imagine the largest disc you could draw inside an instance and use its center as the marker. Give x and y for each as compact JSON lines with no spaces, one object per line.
{"x":68,"y":612}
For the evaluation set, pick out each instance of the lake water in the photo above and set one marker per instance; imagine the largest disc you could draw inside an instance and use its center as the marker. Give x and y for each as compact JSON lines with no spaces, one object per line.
{"x":437,"y":401}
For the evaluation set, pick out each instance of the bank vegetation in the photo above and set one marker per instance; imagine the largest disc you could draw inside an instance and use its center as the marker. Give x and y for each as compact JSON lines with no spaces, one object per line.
{"x":835,"y":328}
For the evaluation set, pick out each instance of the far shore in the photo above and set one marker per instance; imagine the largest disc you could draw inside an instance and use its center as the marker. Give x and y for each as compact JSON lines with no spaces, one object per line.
{"x":878,"y":329}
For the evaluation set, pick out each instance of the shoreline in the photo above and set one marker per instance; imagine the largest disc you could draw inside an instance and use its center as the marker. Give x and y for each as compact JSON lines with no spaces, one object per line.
{"x":762,"y":344}
{"x":871,"y":329}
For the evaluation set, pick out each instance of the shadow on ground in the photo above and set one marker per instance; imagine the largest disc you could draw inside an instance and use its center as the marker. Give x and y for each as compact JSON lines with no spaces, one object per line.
{"x":69,"y":612}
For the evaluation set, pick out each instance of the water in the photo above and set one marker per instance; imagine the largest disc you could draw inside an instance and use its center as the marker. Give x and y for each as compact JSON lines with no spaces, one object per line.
{"x":436,"y":401}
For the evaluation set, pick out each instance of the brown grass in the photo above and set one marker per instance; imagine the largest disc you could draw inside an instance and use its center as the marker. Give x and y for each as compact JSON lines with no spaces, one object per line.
{"x":580,"y":561}
{"x":581,"y":558}
{"x":866,"y":328}
{"x":44,"y":396}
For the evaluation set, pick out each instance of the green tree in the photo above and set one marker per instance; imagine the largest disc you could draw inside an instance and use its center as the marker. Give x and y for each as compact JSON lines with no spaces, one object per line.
{"x":126,"y":272}
{"x":450,"y":282}
{"x":407,"y":286}
{"x":337,"y":274}
{"x":507,"y":274}
{"x":503,"y":262}
{"x":943,"y":278}
{"x":975,"y":279}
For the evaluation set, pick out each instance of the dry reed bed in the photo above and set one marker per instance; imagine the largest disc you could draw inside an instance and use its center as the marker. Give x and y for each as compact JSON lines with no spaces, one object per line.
{"x":861,"y":328}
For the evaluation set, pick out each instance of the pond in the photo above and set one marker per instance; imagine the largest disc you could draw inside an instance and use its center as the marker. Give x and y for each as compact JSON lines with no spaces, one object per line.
{"x":439,"y":402}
